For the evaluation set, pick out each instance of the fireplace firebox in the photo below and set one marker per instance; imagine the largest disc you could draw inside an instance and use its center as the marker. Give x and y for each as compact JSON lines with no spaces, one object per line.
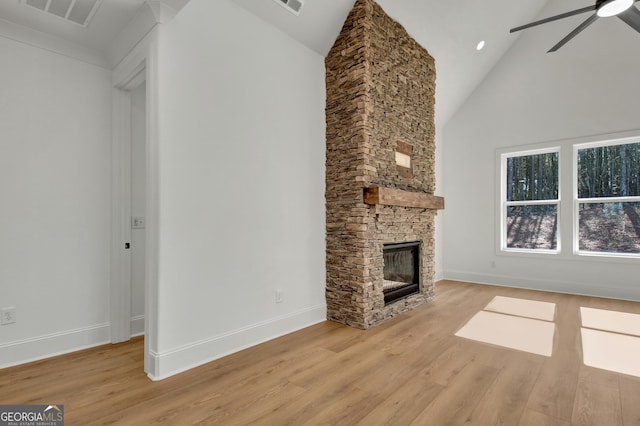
{"x":401,"y":270}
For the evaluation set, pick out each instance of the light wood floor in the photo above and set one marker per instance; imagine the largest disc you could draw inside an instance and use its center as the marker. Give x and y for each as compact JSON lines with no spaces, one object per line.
{"x":411,"y":370}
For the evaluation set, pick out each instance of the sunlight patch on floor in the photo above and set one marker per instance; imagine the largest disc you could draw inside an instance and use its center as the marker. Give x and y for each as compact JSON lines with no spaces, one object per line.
{"x":523,"y":308}
{"x":611,"y":351}
{"x":617,"y":322}
{"x":611,"y":340}
{"x":515,"y":324}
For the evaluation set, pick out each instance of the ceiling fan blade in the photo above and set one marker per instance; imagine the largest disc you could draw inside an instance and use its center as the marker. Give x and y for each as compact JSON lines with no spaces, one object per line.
{"x":632,"y":17}
{"x":555,"y":18}
{"x":575,"y":32}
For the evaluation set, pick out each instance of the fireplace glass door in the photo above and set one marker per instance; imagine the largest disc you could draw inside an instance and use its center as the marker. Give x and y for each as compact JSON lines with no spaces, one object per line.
{"x":401,"y":270}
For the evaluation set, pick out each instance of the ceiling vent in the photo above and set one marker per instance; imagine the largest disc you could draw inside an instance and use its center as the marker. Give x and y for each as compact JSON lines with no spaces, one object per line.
{"x":77,"y":11}
{"x":293,"y":6}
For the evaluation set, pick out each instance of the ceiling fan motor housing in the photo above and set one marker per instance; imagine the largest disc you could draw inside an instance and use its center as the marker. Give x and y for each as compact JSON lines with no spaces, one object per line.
{"x":623,"y":9}
{"x":607,"y":8}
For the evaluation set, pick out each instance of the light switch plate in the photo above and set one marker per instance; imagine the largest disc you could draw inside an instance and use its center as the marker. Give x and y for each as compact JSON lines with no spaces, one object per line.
{"x":8,"y":316}
{"x":137,"y":222}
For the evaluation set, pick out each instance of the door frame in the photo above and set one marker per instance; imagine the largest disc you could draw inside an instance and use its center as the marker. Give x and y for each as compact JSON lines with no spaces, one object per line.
{"x":138,"y":67}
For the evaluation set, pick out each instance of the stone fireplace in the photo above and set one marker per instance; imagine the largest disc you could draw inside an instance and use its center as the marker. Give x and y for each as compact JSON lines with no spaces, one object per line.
{"x":380,"y":163}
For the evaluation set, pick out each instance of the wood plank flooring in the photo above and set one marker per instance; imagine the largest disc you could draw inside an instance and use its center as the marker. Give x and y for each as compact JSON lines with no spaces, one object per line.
{"x":411,"y":370}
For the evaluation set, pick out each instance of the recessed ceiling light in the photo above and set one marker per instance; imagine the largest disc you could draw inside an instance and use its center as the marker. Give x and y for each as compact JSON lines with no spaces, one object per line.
{"x":480,"y":45}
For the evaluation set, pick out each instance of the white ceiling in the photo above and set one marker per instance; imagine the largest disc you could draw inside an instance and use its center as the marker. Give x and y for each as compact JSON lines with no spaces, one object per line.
{"x":448,"y":29}
{"x":110,"y":18}
{"x":94,"y":43}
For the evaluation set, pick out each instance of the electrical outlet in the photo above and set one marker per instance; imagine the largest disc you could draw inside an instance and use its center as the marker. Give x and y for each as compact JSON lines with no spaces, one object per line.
{"x":279,"y":296}
{"x":8,"y":316}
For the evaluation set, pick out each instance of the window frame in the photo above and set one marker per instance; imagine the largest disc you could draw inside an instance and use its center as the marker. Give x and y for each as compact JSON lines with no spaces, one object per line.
{"x":505,"y":204}
{"x":598,"y":200}
{"x":566,"y":172}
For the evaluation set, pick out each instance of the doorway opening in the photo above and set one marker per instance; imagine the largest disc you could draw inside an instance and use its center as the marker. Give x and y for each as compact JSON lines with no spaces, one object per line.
{"x":138,"y":207}
{"x":131,"y":280}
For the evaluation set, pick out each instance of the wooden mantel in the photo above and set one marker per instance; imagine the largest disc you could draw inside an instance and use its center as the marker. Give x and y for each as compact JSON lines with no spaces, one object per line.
{"x":402,"y":198}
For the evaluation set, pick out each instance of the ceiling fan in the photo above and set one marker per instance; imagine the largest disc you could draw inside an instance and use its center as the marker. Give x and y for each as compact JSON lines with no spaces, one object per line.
{"x":623,"y":9}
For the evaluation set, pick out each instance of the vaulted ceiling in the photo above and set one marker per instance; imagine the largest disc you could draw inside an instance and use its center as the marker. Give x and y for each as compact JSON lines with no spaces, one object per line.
{"x":95,"y":40}
{"x":110,"y":18}
{"x":449,"y":30}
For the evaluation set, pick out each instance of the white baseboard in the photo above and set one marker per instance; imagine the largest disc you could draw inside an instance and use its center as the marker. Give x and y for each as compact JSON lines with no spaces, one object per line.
{"x":556,"y":286}
{"x":137,"y":325}
{"x":34,"y":349}
{"x":169,"y":363}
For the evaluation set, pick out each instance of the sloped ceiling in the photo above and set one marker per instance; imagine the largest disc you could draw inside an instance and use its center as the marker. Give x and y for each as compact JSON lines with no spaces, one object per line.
{"x":111,"y":17}
{"x":449,"y":30}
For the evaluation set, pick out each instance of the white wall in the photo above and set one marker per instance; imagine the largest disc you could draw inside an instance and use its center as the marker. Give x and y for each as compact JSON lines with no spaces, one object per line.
{"x":587,"y":88}
{"x":55,"y":135}
{"x":241,"y":178}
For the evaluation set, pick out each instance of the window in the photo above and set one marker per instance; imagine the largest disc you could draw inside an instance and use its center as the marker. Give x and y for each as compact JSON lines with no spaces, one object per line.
{"x":530,"y":201}
{"x":607,"y":198}
{"x":601,"y":218}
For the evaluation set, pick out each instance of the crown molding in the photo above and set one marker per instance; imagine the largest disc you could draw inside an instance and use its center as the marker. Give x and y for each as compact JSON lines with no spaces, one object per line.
{"x":44,"y":41}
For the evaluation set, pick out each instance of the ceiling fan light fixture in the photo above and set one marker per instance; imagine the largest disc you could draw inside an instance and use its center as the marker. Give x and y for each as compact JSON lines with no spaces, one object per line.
{"x":613,"y":7}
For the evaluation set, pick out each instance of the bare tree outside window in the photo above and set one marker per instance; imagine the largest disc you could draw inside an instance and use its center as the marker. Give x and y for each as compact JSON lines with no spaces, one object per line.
{"x":608,"y":198}
{"x":532,"y":189}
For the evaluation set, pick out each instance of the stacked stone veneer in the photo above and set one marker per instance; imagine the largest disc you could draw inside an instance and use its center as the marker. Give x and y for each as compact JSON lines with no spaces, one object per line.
{"x":380,"y":91}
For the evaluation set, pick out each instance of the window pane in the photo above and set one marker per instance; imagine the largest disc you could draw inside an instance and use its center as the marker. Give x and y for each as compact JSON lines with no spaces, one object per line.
{"x":609,"y":171}
{"x":532,"y":177}
{"x":610,"y":227}
{"x":532,"y":227}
